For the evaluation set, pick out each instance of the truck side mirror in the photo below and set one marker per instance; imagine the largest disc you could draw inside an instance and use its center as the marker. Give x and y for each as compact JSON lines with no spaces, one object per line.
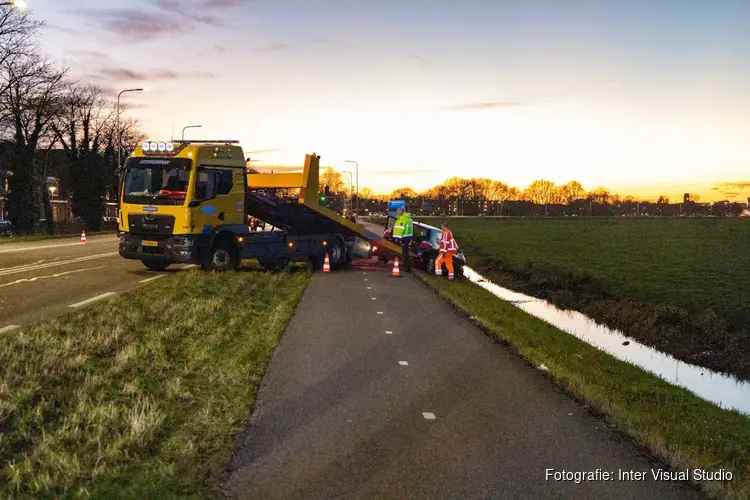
{"x":194,"y":203}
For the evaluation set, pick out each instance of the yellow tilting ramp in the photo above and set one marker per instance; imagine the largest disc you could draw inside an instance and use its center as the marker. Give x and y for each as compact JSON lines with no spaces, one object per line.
{"x":304,"y":215}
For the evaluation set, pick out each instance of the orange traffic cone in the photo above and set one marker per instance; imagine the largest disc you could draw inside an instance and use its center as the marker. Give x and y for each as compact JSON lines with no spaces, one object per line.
{"x":83,"y":236}
{"x":396,"y":271}
{"x":327,"y":265}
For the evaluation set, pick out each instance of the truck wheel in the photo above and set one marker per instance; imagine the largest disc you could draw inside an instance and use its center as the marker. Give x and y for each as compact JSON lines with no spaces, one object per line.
{"x":156,"y":265}
{"x":223,"y":256}
{"x":337,"y":252}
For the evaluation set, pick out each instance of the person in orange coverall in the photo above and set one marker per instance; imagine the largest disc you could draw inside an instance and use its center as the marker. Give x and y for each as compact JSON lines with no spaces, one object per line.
{"x":448,"y":249}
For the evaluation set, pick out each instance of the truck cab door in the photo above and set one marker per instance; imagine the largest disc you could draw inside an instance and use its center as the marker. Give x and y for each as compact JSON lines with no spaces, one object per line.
{"x":219,"y":198}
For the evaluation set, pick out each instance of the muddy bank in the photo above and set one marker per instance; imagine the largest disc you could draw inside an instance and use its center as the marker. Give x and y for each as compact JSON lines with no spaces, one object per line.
{"x":700,"y":337}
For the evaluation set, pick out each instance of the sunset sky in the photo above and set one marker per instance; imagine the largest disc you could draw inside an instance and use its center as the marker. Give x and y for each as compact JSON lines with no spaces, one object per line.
{"x":644,"y":97}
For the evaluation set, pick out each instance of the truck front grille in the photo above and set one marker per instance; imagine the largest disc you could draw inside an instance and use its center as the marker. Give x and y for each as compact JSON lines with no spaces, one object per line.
{"x":151,"y":224}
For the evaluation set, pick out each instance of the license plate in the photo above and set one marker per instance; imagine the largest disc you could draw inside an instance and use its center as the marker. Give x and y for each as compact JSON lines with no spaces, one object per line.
{"x":147,"y":243}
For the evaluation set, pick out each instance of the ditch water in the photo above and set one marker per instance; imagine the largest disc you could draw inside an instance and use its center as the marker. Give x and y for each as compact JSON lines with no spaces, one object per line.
{"x":725,"y":391}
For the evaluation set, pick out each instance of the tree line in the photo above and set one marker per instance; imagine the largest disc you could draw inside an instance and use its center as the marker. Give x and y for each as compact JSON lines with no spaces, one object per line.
{"x":539,"y":192}
{"x":43,"y":108}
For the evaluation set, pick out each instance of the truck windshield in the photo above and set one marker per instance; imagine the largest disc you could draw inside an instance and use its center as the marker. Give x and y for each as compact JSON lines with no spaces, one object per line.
{"x":156,"y":181}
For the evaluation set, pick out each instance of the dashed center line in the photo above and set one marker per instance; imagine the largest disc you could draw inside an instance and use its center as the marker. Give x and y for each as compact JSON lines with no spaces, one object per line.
{"x":388,"y":332}
{"x":428,"y":415}
{"x":374,"y":298}
{"x":92,"y":299}
{"x":16,"y":270}
{"x":380,"y":312}
{"x":57,"y":275}
{"x":403,"y":363}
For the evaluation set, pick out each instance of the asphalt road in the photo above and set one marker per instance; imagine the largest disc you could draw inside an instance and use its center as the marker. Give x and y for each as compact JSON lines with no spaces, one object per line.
{"x":346,"y":409}
{"x":43,"y":279}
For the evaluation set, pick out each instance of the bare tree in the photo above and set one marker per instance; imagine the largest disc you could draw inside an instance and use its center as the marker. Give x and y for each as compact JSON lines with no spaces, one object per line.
{"x":33,"y":91}
{"x":574,"y":191}
{"x":85,"y":129}
{"x":541,"y":192}
{"x":499,"y":191}
{"x":18,"y":32}
{"x":130,"y":136}
{"x":404,"y":192}
{"x":334,"y":180}
{"x":600,"y":195}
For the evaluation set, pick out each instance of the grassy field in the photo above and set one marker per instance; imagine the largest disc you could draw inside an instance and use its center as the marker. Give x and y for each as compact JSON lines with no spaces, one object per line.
{"x":673,"y":424}
{"x":681,"y":285}
{"x":142,"y":396}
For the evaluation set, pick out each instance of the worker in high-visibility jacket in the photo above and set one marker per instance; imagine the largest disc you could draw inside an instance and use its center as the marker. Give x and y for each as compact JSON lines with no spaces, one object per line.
{"x":403,"y":232}
{"x":448,"y":249}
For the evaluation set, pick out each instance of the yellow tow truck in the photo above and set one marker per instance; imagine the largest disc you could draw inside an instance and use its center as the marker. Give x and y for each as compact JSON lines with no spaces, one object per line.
{"x":189,"y":202}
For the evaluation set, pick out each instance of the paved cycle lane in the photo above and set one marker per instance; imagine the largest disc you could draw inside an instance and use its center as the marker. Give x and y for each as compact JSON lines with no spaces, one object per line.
{"x":380,"y":389}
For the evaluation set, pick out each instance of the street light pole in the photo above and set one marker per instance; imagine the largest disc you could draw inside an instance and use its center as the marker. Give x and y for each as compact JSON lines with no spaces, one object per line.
{"x":356,"y":210}
{"x":351,"y":187}
{"x":189,"y":126}
{"x":119,"y":142}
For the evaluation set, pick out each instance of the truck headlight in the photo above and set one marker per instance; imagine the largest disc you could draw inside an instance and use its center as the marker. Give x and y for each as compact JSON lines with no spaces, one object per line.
{"x":183,"y":242}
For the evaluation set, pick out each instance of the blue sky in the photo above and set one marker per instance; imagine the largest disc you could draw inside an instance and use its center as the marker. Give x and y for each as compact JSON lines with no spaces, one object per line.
{"x":641,"y":97}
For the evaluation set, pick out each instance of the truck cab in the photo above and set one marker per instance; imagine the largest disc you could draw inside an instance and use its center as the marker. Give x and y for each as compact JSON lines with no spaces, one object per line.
{"x":173,"y":196}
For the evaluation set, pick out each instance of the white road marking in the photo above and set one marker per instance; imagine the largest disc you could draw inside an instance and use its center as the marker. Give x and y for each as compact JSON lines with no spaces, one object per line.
{"x":28,"y":268}
{"x":403,"y":363}
{"x":93,"y":299}
{"x":59,"y":245}
{"x":369,"y":288}
{"x":380,"y":312}
{"x":374,"y":298}
{"x":29,"y":280}
{"x":8,"y":328}
{"x":428,"y":416}
{"x":152,"y":278}
{"x":388,"y":332}
{"x":366,"y":279}
{"x":22,"y":265}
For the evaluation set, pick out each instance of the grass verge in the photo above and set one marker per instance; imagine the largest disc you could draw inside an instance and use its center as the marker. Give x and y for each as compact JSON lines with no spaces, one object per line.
{"x":670,"y":283}
{"x":41,"y":237}
{"x":141,"y":396}
{"x":672,"y":423}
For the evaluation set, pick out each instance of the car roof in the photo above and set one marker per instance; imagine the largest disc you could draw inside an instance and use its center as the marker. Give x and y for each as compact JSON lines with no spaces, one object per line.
{"x":426,"y":226}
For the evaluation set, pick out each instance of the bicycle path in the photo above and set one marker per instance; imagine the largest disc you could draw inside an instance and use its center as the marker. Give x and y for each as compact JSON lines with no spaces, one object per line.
{"x":346,"y":409}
